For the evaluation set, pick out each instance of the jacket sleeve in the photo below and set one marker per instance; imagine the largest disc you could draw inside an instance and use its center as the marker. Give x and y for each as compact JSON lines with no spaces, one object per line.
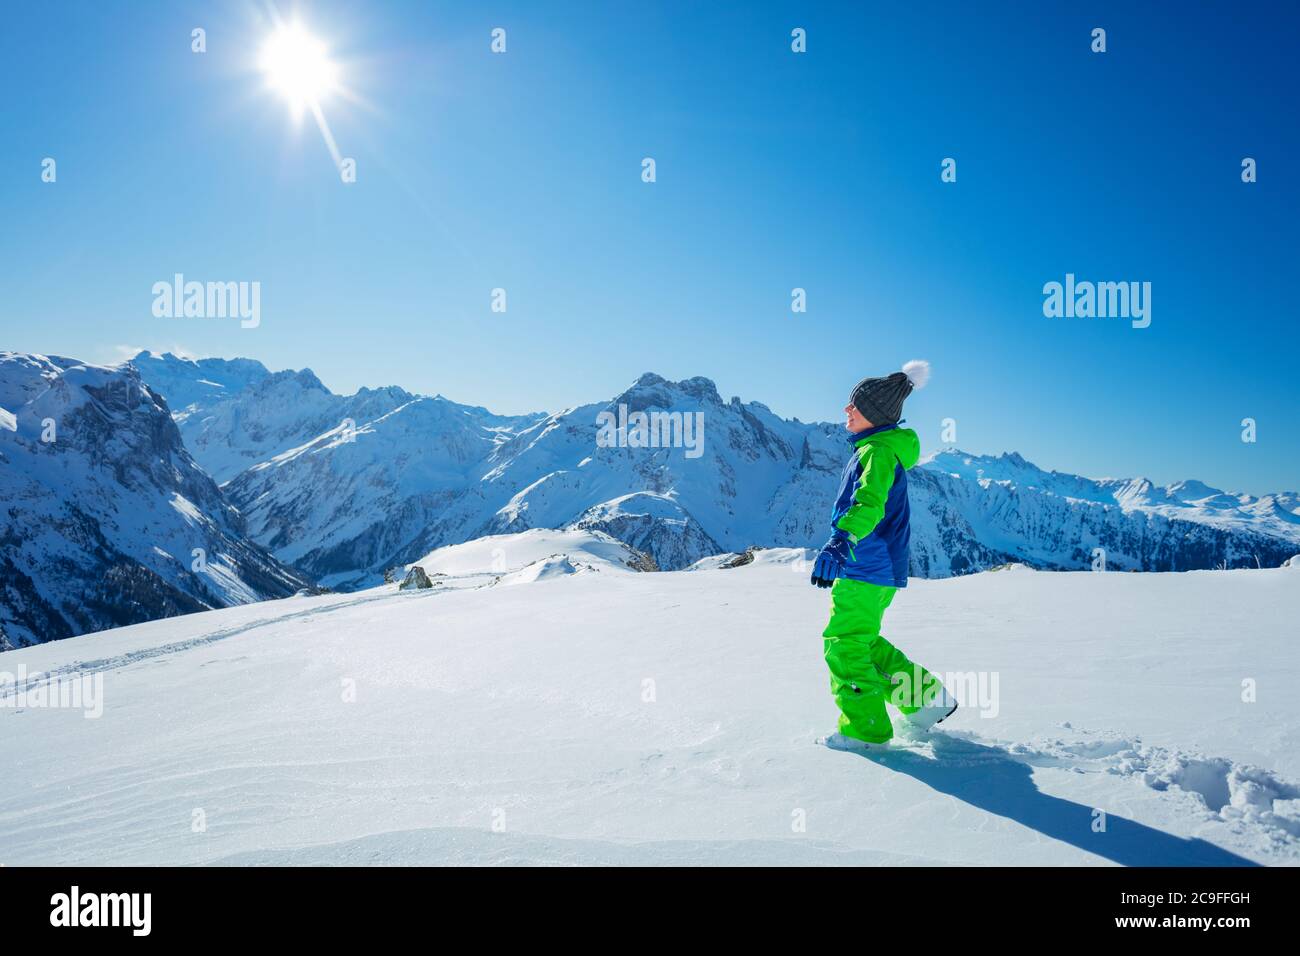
{"x":873,"y":489}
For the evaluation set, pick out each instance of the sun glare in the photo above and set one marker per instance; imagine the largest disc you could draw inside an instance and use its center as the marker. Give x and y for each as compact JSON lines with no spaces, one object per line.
{"x":297,"y":66}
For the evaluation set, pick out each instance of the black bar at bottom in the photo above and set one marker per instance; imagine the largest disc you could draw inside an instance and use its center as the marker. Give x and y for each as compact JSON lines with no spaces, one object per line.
{"x":214,"y":905}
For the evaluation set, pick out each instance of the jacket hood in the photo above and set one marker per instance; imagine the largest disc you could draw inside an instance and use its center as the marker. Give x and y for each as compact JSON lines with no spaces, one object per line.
{"x":903,"y":442}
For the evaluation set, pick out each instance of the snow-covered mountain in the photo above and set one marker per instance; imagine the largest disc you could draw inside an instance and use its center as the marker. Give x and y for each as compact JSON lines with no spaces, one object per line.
{"x":343,"y":505}
{"x":755,"y":479}
{"x":237,"y":414}
{"x":607,"y":717}
{"x":193,"y":384}
{"x":407,"y":474}
{"x":1055,"y":521}
{"x":107,"y":519}
{"x":345,"y":487}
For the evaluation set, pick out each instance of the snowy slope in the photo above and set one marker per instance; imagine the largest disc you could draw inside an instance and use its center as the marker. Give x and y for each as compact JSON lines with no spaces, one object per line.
{"x":510,"y":553}
{"x":107,"y":518}
{"x":669,"y":718}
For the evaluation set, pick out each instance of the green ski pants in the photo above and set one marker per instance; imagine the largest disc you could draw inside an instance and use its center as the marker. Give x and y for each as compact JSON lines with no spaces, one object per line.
{"x":866,"y":670}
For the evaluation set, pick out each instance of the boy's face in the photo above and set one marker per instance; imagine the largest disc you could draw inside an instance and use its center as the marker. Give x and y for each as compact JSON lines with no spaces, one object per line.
{"x":856,"y":422}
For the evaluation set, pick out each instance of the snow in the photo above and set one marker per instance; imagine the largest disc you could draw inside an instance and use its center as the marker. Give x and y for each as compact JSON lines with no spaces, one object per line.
{"x":794,"y":560}
{"x":791,"y":559}
{"x":186,"y":508}
{"x":501,"y":553}
{"x":556,"y":566}
{"x":610,"y":717}
{"x":713,"y":562}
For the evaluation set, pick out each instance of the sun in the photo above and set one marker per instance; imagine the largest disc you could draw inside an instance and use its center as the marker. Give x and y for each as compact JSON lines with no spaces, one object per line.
{"x":298,"y":67}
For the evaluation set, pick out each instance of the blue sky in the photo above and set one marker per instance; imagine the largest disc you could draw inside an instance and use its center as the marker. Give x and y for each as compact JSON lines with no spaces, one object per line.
{"x":775,"y":170}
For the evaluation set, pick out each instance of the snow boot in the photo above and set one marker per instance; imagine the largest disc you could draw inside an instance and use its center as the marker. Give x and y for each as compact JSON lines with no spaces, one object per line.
{"x":839,"y":741}
{"x":922,"y":720}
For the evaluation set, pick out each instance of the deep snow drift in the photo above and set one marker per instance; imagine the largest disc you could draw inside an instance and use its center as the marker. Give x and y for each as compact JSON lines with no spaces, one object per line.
{"x":617,"y":717}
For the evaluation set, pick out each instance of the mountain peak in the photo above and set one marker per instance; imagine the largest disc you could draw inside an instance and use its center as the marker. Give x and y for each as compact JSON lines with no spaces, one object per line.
{"x":305,"y":378}
{"x":149,"y":354}
{"x":1192,"y":490}
{"x":697,"y":387}
{"x":309,"y":380}
{"x":700,"y":387}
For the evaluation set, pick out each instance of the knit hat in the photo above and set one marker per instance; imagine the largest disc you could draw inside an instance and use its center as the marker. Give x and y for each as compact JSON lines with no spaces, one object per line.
{"x":880,"y":400}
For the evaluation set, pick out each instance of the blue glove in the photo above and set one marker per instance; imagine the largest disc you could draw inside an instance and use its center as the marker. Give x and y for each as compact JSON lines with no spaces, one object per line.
{"x":830,"y":562}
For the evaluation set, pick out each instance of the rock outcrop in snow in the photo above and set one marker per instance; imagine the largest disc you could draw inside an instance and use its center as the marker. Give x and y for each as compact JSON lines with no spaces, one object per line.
{"x":415,"y":580}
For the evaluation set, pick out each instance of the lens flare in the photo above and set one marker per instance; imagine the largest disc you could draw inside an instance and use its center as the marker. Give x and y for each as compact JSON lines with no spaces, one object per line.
{"x":298,"y":67}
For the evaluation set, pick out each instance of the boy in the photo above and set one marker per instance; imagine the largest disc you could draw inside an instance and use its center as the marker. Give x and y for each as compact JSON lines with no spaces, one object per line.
{"x":865,"y":563}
